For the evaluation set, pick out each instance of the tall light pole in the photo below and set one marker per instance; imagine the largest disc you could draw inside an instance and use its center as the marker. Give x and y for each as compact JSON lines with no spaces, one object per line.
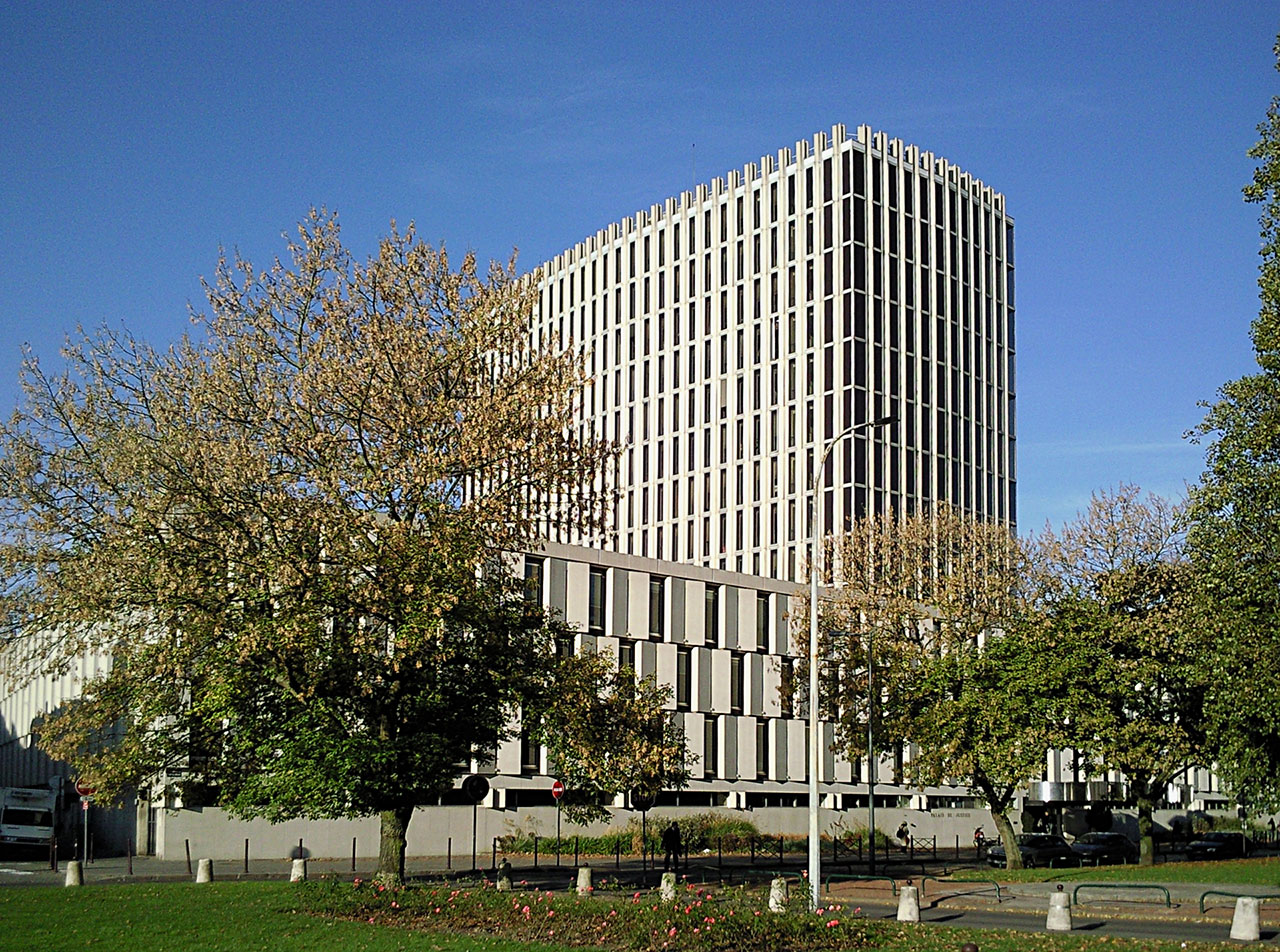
{"x":815,"y":753}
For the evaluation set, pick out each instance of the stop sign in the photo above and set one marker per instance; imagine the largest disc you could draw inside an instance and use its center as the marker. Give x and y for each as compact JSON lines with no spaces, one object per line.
{"x":557,"y":789}
{"x":83,"y":788}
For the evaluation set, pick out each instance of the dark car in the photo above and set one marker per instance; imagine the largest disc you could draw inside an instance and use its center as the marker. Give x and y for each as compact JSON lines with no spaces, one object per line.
{"x":1094,"y":849}
{"x":1219,"y":844}
{"x":1037,"y":849}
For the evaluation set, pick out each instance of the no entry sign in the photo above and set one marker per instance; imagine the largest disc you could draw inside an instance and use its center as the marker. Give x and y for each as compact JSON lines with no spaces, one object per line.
{"x":557,"y":789}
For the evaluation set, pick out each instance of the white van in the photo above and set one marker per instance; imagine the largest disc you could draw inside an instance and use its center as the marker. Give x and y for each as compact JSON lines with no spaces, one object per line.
{"x":27,"y":815}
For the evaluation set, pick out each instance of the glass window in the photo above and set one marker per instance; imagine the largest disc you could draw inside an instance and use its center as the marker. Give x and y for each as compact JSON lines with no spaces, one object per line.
{"x":712,"y":614}
{"x":657,"y":605}
{"x":762,"y":749}
{"x":533,"y":579}
{"x":736,"y":685}
{"x":684,"y":665}
{"x":595,"y":620}
{"x":710,"y":746}
{"x":762,"y":621}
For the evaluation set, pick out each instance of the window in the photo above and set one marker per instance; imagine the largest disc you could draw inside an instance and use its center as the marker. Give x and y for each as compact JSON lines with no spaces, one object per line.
{"x":684,"y":672}
{"x":595,"y":611}
{"x":530,"y":754}
{"x":762,"y":621}
{"x":533,"y":579}
{"x":710,"y":746}
{"x":712,"y":614}
{"x":762,"y":749}
{"x":627,"y":655}
{"x":736,"y":686}
{"x":787,"y":689}
{"x":657,"y":606}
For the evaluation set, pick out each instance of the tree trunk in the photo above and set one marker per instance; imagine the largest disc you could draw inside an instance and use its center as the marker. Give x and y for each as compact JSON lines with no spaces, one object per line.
{"x":391,"y":845}
{"x":1146,"y":842}
{"x":1012,"y":855}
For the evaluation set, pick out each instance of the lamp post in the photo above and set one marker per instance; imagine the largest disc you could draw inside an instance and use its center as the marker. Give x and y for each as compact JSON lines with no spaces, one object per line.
{"x":815,"y":758}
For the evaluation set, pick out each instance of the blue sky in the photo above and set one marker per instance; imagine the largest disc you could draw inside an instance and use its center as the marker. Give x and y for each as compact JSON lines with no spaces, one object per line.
{"x":135,"y":139}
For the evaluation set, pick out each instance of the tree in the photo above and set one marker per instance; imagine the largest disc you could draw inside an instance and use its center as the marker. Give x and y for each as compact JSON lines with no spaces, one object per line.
{"x":288,"y":531}
{"x":930,"y":607}
{"x":1119,"y":598}
{"x":606,"y":733}
{"x":1234,"y":535}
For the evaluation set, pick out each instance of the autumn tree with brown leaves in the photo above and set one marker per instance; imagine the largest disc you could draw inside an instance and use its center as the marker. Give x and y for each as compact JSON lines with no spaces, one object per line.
{"x":287,"y":531}
{"x":1120,"y":602}
{"x":926,"y":636}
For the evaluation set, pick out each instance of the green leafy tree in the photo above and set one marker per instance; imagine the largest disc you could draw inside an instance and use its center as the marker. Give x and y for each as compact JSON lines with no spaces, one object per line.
{"x":1234,"y":536}
{"x":287,"y":532}
{"x":1120,"y":600}
{"x":606,"y":733}
{"x":930,"y":608}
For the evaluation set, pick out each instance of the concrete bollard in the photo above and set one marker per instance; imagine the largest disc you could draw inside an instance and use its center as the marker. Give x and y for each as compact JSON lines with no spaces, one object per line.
{"x":504,"y":876}
{"x":668,"y":888}
{"x":778,"y":895}
{"x":74,"y":877}
{"x":1244,"y":924}
{"x":1059,"y":918}
{"x":204,"y":871}
{"x":584,"y":881}
{"x":908,"y":904}
{"x":298,"y":872}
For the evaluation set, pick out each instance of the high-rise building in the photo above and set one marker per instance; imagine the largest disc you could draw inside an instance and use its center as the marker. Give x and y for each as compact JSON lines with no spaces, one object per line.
{"x":731,"y":332}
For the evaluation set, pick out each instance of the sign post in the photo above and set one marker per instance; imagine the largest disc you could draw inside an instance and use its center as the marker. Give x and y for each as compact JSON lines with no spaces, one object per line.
{"x":557,"y":791}
{"x":86,"y":797}
{"x":477,"y":788}
{"x":643,"y":801}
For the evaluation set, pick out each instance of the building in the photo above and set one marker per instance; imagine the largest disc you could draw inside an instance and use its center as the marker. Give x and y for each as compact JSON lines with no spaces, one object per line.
{"x":730,"y":334}
{"x":733,"y":330}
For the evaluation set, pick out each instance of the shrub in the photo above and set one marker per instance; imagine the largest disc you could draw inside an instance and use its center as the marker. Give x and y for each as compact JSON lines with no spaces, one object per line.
{"x":702,"y":920}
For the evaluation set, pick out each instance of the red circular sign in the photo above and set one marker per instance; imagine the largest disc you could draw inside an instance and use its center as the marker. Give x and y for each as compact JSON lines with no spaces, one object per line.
{"x":83,"y":788}
{"x":557,"y":789}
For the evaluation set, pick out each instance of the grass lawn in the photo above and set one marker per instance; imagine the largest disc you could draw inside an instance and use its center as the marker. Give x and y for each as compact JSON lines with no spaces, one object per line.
{"x":232,"y":917}
{"x":218,"y":917}
{"x":1257,"y":872}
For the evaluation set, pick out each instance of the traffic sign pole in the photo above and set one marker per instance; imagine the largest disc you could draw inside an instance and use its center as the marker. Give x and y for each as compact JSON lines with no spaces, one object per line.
{"x":86,"y":797}
{"x":557,"y":791}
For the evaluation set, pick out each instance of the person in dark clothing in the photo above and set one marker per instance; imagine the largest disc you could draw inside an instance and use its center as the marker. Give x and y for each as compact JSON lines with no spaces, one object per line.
{"x":671,"y":848}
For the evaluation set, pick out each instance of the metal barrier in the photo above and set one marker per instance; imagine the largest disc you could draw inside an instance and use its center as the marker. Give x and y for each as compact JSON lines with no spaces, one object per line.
{"x":760,"y":871}
{"x":1076,"y":892}
{"x":1234,"y":895}
{"x":962,"y":882}
{"x":893,"y":884}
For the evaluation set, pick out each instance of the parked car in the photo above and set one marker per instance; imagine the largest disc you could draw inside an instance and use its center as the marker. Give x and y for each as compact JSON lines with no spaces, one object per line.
{"x":1219,"y":844}
{"x":1095,"y":849}
{"x":1037,"y":849}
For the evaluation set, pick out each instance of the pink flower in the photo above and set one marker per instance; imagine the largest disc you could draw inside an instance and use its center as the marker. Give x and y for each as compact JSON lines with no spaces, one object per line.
{"x":670,"y":932}
{"x":635,"y":896}
{"x":525,"y":912}
{"x":833,"y":923}
{"x":551,"y":913}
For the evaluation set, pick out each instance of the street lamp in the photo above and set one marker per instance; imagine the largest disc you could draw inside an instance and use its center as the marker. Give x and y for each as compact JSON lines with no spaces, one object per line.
{"x":815,"y":536}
